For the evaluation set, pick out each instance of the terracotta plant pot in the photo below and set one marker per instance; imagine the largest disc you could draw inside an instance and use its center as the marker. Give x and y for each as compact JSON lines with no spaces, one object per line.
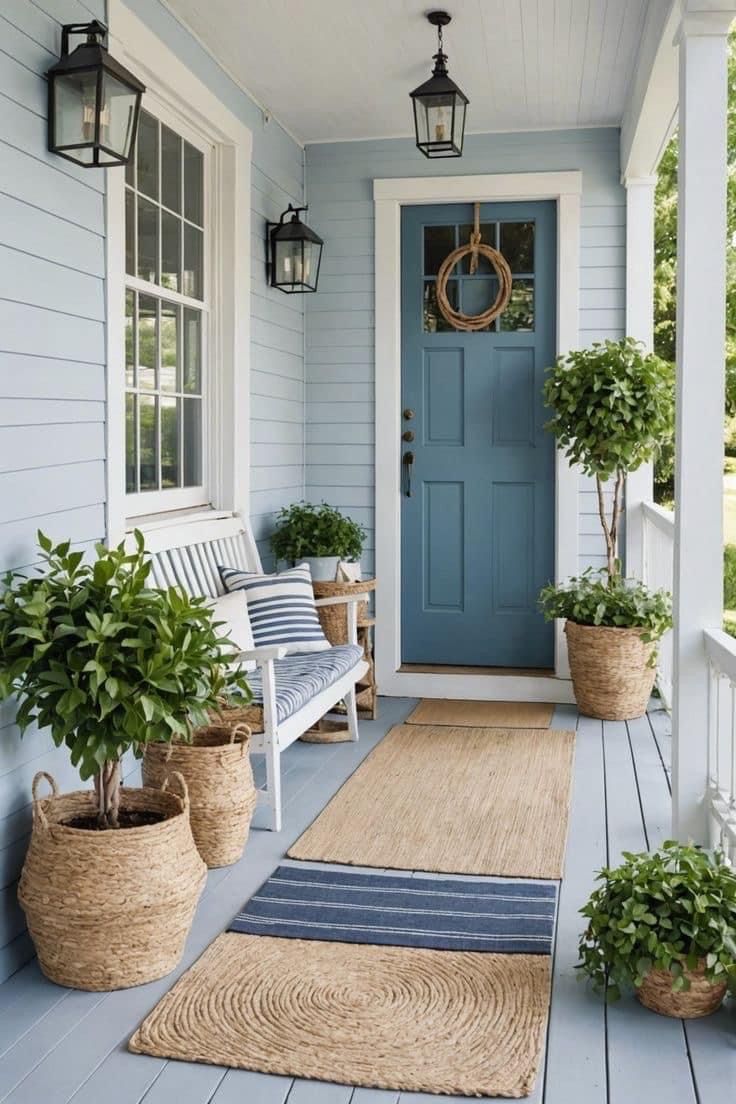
{"x":702,"y":998}
{"x":110,"y":909}
{"x":611,"y":673}
{"x":217,"y":770}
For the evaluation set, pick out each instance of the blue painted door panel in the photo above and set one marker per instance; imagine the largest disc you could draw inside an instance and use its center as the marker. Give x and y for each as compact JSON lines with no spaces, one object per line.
{"x":478,"y":528}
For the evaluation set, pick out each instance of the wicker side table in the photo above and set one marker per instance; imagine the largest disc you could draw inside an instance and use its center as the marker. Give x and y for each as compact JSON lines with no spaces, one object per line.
{"x":334,"y":623}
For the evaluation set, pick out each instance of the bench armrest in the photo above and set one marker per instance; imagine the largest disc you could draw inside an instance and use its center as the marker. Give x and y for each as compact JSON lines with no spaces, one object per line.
{"x":343,"y":599}
{"x":262,"y":655}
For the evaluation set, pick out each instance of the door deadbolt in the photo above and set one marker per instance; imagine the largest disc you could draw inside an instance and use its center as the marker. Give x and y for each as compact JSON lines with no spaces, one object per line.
{"x":408,"y":414}
{"x":407,"y":435}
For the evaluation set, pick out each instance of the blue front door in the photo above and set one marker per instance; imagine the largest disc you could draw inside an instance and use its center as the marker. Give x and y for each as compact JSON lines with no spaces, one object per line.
{"x":478,"y":524}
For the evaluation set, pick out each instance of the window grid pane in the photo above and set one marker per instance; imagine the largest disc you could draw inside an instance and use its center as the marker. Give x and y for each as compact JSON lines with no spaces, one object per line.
{"x":165,"y":247}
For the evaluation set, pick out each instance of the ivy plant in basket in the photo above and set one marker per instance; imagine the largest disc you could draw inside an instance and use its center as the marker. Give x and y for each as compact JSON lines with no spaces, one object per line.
{"x":108,"y":665}
{"x":664,"y":924}
{"x":612,"y":409}
{"x":318,"y":535}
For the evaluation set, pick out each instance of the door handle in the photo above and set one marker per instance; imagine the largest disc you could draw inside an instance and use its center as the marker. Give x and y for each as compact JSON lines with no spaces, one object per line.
{"x":407,"y":461}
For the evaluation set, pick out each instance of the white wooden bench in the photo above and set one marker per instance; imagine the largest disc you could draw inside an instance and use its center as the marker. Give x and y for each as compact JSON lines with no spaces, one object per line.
{"x":188,"y":555}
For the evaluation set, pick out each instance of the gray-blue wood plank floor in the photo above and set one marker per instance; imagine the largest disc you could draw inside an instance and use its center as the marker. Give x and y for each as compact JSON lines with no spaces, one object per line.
{"x":59,"y":1046}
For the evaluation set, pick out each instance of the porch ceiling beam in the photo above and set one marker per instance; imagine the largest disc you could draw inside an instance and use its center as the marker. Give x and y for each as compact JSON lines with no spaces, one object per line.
{"x":651,"y":109}
{"x":701,"y":293}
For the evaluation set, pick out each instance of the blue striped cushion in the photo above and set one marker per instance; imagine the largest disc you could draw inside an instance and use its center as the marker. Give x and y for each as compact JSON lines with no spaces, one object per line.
{"x":299,"y":678}
{"x":280,"y":607}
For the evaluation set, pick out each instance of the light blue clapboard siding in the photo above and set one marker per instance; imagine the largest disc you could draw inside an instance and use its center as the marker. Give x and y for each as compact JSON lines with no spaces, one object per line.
{"x":339,"y":318}
{"x":52,"y":353}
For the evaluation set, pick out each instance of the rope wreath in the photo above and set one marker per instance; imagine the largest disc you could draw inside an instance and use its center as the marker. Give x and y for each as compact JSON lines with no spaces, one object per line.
{"x":475,"y":248}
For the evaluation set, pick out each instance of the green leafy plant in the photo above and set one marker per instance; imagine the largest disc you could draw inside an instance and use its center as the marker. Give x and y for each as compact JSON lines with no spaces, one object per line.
{"x":612,"y":409}
{"x":106,"y":662}
{"x":305,"y":529}
{"x":597,"y":598}
{"x":667,"y":910}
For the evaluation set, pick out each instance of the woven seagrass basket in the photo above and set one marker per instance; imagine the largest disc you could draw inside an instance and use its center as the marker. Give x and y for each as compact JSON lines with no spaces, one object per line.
{"x":334,"y":619}
{"x":231,"y":716}
{"x":222,"y":795}
{"x":610,"y":671}
{"x":110,"y":909}
{"x":702,"y":998}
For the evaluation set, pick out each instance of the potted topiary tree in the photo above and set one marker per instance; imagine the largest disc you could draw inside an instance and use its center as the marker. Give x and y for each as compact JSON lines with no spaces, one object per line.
{"x":612,"y":408}
{"x":318,"y":535}
{"x":664,"y":924}
{"x":112,"y":876}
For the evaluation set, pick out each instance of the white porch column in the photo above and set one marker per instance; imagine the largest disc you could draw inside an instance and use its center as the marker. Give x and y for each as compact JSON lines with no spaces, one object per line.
{"x":701,"y":284}
{"x":640,"y":325}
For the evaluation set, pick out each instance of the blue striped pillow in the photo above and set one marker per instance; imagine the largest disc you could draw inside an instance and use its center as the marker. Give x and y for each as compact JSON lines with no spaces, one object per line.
{"x":280,"y":607}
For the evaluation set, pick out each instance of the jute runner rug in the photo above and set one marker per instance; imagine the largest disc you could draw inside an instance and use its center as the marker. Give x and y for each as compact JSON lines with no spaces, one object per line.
{"x":452,"y":800}
{"x":482,"y":714}
{"x":463,"y":1023}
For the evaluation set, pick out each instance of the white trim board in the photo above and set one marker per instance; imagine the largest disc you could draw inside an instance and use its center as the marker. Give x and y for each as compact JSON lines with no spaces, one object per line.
{"x":389,"y":197}
{"x":185,"y":96}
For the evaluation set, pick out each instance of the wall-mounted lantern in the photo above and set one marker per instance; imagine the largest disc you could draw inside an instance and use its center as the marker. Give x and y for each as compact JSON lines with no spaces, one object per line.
{"x":439,"y":105}
{"x":94,"y":101}
{"x":295,"y":253}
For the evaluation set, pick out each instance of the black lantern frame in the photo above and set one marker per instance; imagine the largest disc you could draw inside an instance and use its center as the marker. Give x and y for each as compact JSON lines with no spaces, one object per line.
{"x":297,"y":242}
{"x":439,"y":94}
{"x":91,"y":59}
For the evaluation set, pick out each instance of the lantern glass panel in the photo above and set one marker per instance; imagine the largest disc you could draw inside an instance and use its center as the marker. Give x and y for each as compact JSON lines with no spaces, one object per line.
{"x":117,"y":116}
{"x":75,"y":108}
{"x":289,"y":262}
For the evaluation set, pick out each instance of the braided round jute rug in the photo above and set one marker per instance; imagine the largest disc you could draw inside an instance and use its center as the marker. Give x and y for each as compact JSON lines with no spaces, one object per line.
{"x":397,"y":1018}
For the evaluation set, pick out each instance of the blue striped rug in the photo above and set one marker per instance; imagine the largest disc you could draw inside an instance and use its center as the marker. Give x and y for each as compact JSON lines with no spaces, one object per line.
{"x":347,"y":906}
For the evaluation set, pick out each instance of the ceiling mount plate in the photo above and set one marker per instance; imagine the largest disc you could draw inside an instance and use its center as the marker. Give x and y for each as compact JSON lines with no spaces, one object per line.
{"x":439,"y":18}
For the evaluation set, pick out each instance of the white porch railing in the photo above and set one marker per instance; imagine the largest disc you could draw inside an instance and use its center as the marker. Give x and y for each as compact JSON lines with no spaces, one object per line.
{"x":720,"y":650}
{"x":658,"y":527}
{"x":658,"y":542}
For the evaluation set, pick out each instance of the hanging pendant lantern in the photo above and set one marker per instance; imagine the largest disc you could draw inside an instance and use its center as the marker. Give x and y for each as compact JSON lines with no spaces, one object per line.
{"x":439,"y":105}
{"x":295,"y":253}
{"x":94,"y":101}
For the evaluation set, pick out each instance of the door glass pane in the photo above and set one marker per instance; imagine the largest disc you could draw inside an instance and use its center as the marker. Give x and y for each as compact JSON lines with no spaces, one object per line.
{"x":517,"y":245}
{"x":193,"y":184}
{"x":169,"y":442}
{"x":129,"y":339}
{"x":170,"y":169}
{"x":192,"y":442}
{"x":131,"y":467}
{"x":519,"y":314}
{"x":148,"y":435}
{"x":170,"y":251}
{"x":192,"y":282}
{"x":438,"y":242}
{"x":487,"y":237}
{"x":169,"y":347}
{"x":130,"y":232}
{"x":147,"y":342}
{"x":434,"y":320}
{"x":192,"y":352}
{"x":478,"y":294}
{"x":147,"y":143}
{"x":147,"y":241}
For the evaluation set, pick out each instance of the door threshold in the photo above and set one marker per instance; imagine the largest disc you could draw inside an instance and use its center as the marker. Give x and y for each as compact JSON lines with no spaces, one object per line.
{"x":455,"y":669}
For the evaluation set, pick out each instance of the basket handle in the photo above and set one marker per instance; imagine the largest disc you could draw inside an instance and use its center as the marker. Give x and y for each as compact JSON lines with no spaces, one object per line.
{"x":180,"y":779}
{"x":42,"y":776}
{"x":243,"y":729}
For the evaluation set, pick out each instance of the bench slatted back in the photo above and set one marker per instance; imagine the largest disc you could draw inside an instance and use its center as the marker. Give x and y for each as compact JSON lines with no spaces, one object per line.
{"x":188,"y":555}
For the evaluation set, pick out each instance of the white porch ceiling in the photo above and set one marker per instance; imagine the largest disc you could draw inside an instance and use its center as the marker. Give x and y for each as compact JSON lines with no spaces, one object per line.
{"x":334,"y":70}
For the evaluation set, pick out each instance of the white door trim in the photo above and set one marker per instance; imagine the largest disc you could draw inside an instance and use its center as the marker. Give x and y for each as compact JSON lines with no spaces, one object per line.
{"x":389,"y":197}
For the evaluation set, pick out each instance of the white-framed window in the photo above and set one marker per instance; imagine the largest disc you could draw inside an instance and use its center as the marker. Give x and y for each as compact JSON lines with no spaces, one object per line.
{"x":168,"y":265}
{"x":190,"y":321}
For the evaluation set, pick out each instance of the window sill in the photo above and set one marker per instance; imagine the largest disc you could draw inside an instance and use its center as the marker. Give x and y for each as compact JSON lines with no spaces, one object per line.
{"x":148,"y":523}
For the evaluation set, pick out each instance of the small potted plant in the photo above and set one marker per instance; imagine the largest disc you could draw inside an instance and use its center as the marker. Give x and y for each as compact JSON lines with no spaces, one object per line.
{"x":664,"y":924}
{"x":107,"y":664}
{"x":612,"y":408}
{"x":318,"y":535}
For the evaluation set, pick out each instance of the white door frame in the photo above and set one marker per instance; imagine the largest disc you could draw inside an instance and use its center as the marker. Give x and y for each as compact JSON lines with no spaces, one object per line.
{"x":389,"y":197}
